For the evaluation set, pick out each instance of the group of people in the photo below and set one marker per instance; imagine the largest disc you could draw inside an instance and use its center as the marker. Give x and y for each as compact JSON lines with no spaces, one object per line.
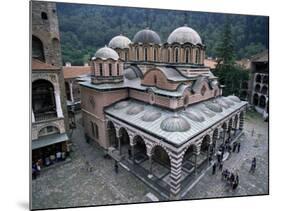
{"x":231,"y":178}
{"x":36,"y":168}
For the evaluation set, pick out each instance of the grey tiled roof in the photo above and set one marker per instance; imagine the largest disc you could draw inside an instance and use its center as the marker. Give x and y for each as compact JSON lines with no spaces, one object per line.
{"x":197,"y":126}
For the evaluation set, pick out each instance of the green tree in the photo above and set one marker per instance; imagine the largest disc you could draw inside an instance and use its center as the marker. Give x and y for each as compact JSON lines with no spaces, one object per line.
{"x":229,"y":74}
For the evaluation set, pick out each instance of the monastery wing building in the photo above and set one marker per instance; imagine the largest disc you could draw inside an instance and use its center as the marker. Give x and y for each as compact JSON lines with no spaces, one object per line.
{"x":156,"y":108}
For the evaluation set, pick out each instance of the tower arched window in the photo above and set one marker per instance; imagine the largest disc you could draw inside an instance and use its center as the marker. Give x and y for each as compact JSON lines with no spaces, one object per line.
{"x":145,"y":54}
{"x":155,"y":54}
{"x":186,"y":56}
{"x":44,"y":16}
{"x":37,"y":49}
{"x":100,"y":66}
{"x":110,"y":69}
{"x":176,"y":55}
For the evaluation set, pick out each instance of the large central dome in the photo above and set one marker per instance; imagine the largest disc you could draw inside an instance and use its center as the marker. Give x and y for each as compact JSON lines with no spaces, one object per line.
{"x":183,"y":35}
{"x":147,"y":36}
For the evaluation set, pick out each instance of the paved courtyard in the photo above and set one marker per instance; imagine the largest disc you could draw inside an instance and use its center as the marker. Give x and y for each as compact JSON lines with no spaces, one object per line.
{"x":72,"y":184}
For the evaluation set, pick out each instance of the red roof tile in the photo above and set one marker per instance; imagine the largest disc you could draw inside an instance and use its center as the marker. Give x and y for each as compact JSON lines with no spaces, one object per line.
{"x":39,"y":65}
{"x":75,"y":71}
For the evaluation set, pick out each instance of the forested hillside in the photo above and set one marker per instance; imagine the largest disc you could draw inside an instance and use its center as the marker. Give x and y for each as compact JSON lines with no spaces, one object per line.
{"x":85,"y":28}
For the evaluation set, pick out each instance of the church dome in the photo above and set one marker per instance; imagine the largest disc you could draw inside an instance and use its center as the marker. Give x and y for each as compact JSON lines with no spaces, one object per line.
{"x":119,"y":41}
{"x":121,"y":105}
{"x":213,"y":106}
{"x":150,"y":116}
{"x":175,"y":124}
{"x":234,"y":98}
{"x":147,"y":36}
{"x":106,"y":53}
{"x":183,"y":35}
{"x":135,"y":109}
{"x":195,"y":116}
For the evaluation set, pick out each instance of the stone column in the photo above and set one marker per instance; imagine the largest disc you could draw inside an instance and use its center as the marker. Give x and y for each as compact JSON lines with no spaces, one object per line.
{"x":175,"y":175}
{"x":150,"y":175}
{"x":32,"y":116}
{"x":58,"y":103}
{"x":241,"y":122}
{"x":195,"y":164}
{"x":119,"y":144}
{"x":71,"y":91}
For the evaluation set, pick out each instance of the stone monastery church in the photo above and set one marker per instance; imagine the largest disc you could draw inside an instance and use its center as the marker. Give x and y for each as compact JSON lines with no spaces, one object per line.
{"x":156,"y":109}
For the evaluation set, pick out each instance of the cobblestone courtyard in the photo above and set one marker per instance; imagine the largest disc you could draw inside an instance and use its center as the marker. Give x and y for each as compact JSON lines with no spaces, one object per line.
{"x":71,"y":184}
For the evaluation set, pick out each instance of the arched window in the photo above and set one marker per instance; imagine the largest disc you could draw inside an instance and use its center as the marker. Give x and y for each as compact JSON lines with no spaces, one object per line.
{"x":37,"y":49}
{"x":265,"y":79}
{"x":145,"y":54}
{"x":258,"y":78}
{"x":257,"y":88}
{"x":186,"y":56}
{"x":49,"y":130}
{"x":256,"y":99}
{"x":197,"y":56}
{"x":117,"y":69}
{"x":95,"y":130}
{"x":155,"y":54}
{"x":203,"y":90}
{"x":168,"y":59}
{"x":126,"y":56}
{"x":100,"y":65}
{"x":43,"y":100}
{"x":155,"y":80}
{"x":176,"y":55}
{"x":110,"y":69}
{"x":185,"y":100}
{"x":44,"y":16}
{"x":137,"y":54}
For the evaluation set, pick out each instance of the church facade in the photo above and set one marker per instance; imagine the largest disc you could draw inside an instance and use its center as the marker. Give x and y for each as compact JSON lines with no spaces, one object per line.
{"x":154,"y":106}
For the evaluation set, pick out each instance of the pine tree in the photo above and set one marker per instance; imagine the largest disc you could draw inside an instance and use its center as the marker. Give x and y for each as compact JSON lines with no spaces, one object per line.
{"x":225,"y":47}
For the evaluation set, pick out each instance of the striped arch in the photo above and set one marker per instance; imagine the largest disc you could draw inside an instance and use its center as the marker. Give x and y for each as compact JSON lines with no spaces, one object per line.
{"x":151,"y":147}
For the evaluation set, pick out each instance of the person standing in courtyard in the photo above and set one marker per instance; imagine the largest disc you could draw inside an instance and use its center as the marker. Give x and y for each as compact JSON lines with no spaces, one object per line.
{"x":234,"y":146}
{"x":214,"y":168}
{"x":116,"y":167}
{"x":221,"y":165}
{"x":253,"y":165}
{"x":238,"y":147}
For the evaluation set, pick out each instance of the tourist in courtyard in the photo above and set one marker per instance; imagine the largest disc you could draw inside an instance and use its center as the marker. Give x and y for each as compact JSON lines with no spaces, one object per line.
{"x":238,"y":147}
{"x":221,"y":165}
{"x":116,"y":167}
{"x":214,"y":168}
{"x":234,"y":146}
{"x":253,"y":165}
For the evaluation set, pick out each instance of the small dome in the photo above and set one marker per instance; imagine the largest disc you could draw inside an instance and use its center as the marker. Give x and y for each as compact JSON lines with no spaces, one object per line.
{"x":130,"y":74}
{"x":227,"y":101}
{"x":213,"y":106}
{"x":195,"y":116}
{"x":183,"y":35}
{"x":175,"y":124}
{"x":151,"y":116}
{"x":147,"y":36}
{"x":121,"y":105}
{"x":222,"y":103}
{"x":106,"y":53}
{"x":119,"y":41}
{"x":135,"y":109}
{"x":234,"y":98}
{"x":208,"y":112}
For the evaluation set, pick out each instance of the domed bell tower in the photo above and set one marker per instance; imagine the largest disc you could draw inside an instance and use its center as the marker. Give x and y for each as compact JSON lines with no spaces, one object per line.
{"x":107,"y":67}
